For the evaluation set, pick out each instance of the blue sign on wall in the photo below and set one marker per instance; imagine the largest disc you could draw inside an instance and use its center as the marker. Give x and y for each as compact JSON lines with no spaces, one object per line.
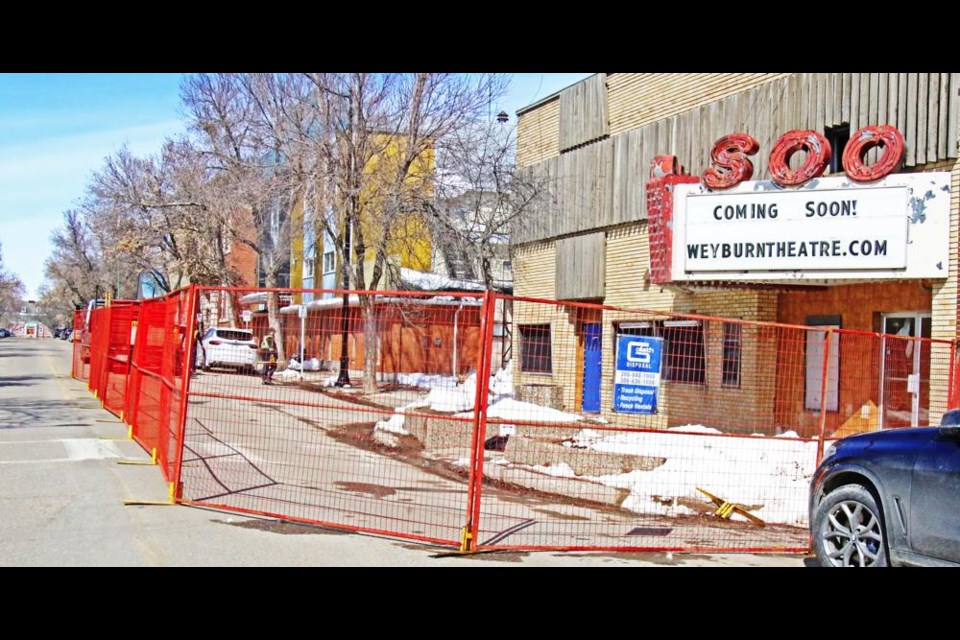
{"x":637,"y":378}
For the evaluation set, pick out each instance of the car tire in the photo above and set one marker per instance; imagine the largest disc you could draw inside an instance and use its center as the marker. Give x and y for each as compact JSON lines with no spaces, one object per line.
{"x":848,"y":529}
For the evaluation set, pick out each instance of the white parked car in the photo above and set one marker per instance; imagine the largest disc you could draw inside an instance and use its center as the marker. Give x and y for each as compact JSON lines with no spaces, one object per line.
{"x":227,"y":347}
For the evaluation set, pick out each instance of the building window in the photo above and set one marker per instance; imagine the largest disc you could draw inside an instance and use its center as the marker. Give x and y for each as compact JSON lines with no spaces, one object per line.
{"x":329,"y":261}
{"x":308,"y":268}
{"x":731,"y":353}
{"x":684,"y":356}
{"x":838,"y":137}
{"x":536,"y":354}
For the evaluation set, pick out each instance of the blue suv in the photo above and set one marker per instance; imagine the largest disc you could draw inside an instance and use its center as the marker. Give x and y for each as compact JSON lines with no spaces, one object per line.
{"x":889,"y":498}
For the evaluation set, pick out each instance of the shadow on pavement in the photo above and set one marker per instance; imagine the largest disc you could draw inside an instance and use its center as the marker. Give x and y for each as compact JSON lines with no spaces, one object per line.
{"x":19,"y":381}
{"x":16,"y":413}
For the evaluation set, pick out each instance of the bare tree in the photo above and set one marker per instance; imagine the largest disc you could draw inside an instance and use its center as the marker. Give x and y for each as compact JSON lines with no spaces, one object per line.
{"x":239,"y":124}
{"x":11,"y":293}
{"x":56,"y":304}
{"x":76,"y":261}
{"x":381,"y":134}
{"x":481,"y":197}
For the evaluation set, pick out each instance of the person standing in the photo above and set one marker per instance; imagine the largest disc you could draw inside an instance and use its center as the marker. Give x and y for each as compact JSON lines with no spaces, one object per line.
{"x":268,"y":352}
{"x":200,"y":350}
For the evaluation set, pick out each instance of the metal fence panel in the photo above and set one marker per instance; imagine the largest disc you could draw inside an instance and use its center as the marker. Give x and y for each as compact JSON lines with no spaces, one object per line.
{"x":484,"y":421}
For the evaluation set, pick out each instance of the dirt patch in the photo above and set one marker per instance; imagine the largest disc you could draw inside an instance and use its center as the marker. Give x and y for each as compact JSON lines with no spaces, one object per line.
{"x":360,"y":434}
{"x":283,"y":527}
{"x":558,"y":515}
{"x":353,"y":398}
{"x":520,"y":494}
{"x":376,"y":490}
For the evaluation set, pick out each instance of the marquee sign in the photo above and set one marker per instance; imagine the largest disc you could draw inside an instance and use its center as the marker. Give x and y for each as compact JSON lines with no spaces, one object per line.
{"x":869,"y":224}
{"x":830,"y":228}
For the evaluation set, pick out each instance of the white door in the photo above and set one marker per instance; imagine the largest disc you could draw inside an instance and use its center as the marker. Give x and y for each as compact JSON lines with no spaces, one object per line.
{"x":905,"y":383}
{"x":813,"y":397}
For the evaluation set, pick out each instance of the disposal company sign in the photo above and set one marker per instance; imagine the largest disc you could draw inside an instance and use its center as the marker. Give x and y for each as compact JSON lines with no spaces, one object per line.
{"x":829,"y":228}
{"x":636,"y":380}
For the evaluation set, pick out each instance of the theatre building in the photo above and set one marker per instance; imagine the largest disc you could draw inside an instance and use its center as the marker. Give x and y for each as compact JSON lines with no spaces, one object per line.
{"x":678,"y":205}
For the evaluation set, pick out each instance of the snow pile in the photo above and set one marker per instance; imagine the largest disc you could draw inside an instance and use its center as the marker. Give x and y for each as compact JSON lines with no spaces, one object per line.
{"x":448,"y":397}
{"x":559,"y":470}
{"x":502,"y":383}
{"x":770,"y":471}
{"x":510,"y":409}
{"x":425,"y":381}
{"x":286,"y":375}
{"x":393,"y":425}
{"x":453,"y":399}
{"x":313,"y":364}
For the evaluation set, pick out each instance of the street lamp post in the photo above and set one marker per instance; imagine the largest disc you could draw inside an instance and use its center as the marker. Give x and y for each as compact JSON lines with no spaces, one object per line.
{"x":343,"y":378}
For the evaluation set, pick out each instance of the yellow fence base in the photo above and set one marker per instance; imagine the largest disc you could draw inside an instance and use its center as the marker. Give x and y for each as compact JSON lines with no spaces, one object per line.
{"x":169,"y":502}
{"x":151,"y":461}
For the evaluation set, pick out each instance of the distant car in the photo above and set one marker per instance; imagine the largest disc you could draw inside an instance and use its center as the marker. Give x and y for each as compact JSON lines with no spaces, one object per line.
{"x":5,"y":333}
{"x":227,"y":347}
{"x":889,"y":498}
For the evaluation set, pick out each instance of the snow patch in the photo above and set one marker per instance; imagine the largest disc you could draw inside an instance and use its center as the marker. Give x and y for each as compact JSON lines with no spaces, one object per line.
{"x":510,"y":409}
{"x":393,"y":425}
{"x":559,"y":470}
{"x":426,"y":381}
{"x":772,"y":473}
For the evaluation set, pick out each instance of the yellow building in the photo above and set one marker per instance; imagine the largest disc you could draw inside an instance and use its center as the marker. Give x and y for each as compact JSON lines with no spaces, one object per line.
{"x":595,"y":242}
{"x":314,"y":258}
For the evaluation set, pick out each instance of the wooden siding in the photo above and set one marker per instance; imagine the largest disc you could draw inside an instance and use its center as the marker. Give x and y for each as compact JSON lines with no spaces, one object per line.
{"x":538,"y":134}
{"x":583,"y":112}
{"x":637,"y":99}
{"x":602,"y":184}
{"x":580,"y":266}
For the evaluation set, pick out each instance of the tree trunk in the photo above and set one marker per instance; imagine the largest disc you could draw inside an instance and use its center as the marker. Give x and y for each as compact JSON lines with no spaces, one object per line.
{"x":274,"y":321}
{"x":370,"y":335}
{"x":231,"y":308}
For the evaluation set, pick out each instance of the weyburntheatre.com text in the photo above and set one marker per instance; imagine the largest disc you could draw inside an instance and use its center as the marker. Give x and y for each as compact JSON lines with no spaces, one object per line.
{"x":786,"y":249}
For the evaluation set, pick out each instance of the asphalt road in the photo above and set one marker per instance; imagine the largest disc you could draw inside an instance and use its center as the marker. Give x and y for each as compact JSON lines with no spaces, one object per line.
{"x":62,"y":496}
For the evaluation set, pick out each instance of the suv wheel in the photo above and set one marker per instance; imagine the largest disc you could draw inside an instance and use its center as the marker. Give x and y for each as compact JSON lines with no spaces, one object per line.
{"x":848,"y":529}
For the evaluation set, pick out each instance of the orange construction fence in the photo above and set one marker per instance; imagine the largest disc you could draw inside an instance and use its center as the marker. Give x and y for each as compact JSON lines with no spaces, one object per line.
{"x":482,"y":421}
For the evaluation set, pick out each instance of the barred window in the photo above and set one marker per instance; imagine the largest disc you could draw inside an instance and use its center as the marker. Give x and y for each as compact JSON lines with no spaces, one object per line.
{"x":684,"y":356}
{"x":731,"y":353}
{"x":536,"y":354}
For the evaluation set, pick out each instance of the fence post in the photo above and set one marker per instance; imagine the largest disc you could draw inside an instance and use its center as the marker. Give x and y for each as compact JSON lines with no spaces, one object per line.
{"x":192,"y":295}
{"x":823,"y":392}
{"x":468,"y":539}
{"x":104,"y":351}
{"x":951,"y":376}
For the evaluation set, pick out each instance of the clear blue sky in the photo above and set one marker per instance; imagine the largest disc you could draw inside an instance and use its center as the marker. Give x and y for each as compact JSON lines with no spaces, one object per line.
{"x":56,"y":130}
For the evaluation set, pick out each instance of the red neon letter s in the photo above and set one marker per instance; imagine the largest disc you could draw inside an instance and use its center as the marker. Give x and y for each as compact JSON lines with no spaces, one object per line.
{"x":730,"y":154}
{"x":818,"y":157}
{"x":867,"y":138}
